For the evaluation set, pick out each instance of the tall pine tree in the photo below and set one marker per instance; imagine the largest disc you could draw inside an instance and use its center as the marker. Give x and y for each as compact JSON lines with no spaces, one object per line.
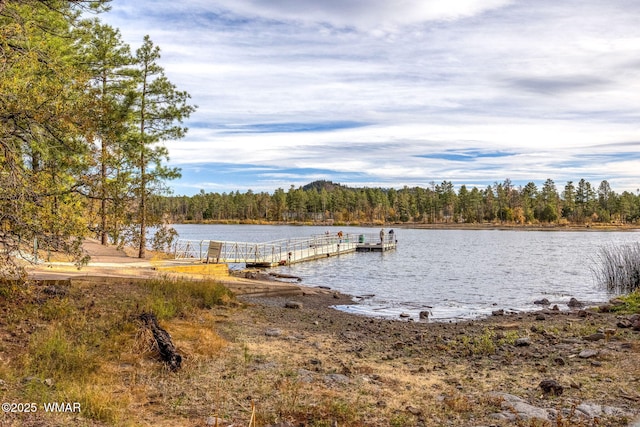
{"x":43,"y":124}
{"x":158,"y":113}
{"x":108,"y":60}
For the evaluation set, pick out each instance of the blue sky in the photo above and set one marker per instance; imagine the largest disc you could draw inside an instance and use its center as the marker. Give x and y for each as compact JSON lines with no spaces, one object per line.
{"x":381,"y":93}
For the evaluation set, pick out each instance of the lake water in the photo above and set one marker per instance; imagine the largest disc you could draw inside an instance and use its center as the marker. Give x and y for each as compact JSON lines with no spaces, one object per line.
{"x":454,"y":274}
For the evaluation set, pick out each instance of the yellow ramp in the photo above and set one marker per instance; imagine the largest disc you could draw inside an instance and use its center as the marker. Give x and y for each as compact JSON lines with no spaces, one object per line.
{"x":220,"y":270}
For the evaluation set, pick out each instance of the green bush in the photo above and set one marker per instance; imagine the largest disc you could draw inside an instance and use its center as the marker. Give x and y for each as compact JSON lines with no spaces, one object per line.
{"x":631,"y":303}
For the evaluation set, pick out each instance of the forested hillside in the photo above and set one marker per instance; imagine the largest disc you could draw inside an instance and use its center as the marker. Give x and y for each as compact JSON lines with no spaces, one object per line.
{"x":576,"y":203}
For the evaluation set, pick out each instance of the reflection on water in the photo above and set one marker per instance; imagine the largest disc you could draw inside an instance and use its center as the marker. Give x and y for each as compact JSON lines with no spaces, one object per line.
{"x":453,"y":274}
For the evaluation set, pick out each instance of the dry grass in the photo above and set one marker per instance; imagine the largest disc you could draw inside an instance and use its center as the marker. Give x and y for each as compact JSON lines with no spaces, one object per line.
{"x":83,"y":343}
{"x":89,"y":343}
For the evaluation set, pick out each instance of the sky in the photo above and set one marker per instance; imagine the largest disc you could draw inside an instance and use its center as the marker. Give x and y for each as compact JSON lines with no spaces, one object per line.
{"x":379,"y":93}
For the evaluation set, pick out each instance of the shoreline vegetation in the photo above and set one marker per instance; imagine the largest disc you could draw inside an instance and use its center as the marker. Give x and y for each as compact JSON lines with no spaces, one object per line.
{"x":430,"y":226}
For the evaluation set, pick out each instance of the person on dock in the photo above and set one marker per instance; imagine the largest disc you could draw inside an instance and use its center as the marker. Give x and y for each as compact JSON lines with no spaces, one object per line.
{"x":382,"y":235}
{"x":391,"y":235}
{"x":340,"y":236}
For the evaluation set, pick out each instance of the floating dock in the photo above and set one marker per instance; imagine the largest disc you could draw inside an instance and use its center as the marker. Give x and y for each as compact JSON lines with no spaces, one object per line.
{"x":376,"y":247}
{"x":282,"y":252}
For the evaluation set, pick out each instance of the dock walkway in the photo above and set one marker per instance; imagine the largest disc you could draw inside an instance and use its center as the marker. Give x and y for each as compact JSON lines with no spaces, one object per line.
{"x":281,"y":252}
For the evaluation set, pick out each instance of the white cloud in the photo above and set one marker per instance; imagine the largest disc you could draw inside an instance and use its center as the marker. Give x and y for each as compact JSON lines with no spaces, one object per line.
{"x":366,"y":14}
{"x":545,"y":81}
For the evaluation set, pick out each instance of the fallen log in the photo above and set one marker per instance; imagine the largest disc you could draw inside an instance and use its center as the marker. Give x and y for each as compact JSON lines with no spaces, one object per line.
{"x":166,"y":348}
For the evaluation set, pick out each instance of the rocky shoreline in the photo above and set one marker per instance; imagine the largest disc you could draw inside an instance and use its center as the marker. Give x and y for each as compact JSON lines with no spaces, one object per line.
{"x":550,"y":367}
{"x":285,"y":358}
{"x":282,"y":357}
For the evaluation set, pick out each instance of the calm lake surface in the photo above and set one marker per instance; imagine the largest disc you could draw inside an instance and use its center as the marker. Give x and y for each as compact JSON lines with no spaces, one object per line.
{"x":454,"y":274}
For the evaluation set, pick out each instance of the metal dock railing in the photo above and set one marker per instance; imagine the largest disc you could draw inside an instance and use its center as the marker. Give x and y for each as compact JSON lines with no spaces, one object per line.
{"x":281,"y":252}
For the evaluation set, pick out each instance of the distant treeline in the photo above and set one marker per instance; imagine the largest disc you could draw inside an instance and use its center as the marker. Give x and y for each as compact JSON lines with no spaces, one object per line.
{"x":324,"y":201}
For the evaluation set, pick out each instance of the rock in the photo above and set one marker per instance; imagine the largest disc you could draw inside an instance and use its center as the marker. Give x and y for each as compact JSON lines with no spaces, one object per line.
{"x":551,"y":387}
{"x":624,"y":324}
{"x":594,"y":337}
{"x":424,"y":315}
{"x":305,"y":376}
{"x":588,"y":354}
{"x":214,"y":421}
{"x":616,"y":301}
{"x":523,"y":342}
{"x":559,"y":361}
{"x":498,"y":312}
{"x":593,"y":410}
{"x":293,"y":304}
{"x":574,"y":303}
{"x":503,"y":416}
{"x":414,"y":411}
{"x":336,"y":378}
{"x":636,"y":325}
{"x":604,"y":308}
{"x":516,"y":408}
{"x":589,"y":409}
{"x":48,"y":382}
{"x":542,"y":301}
{"x":404,"y":315}
{"x":555,"y":308}
{"x":273,"y":332}
{"x":541,"y":317}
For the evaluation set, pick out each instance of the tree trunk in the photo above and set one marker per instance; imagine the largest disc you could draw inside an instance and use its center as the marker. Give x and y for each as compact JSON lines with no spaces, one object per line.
{"x":103,"y":203}
{"x":143,"y":170}
{"x":103,"y":178}
{"x":166,"y":348}
{"x":143,"y":212}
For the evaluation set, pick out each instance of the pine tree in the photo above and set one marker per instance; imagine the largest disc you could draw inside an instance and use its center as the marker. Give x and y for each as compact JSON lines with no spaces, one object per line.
{"x":158,"y":112}
{"x":43,"y":125}
{"x":108,"y":60}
